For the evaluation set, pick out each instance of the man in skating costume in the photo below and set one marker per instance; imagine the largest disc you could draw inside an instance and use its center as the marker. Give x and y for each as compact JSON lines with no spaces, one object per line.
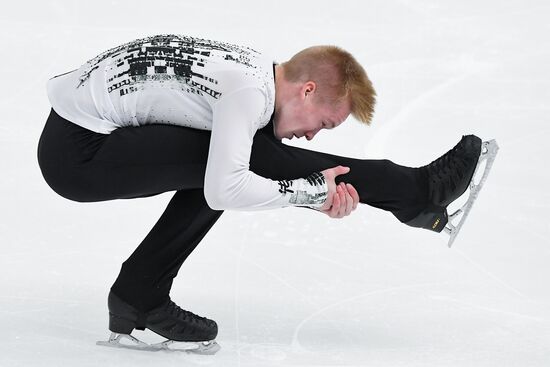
{"x":206,"y":119}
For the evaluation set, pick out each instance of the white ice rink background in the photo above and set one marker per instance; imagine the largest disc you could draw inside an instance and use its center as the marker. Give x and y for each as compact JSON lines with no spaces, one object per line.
{"x":291,"y":287}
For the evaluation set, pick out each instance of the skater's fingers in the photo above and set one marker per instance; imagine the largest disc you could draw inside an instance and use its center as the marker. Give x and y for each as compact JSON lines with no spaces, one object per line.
{"x":354,"y":194}
{"x":335,"y":171}
{"x":340,"y":170}
{"x":343,"y":202}
{"x":349,"y":200}
{"x":333,"y":213}
{"x":337,"y":204}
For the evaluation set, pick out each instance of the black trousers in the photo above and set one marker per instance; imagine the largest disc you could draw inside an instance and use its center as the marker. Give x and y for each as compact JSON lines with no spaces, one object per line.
{"x":133,"y":162}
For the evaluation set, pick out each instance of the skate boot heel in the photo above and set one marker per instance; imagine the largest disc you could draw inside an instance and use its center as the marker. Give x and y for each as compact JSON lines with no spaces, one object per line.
{"x":433,"y":218}
{"x":123,"y":318}
{"x":120,"y":325}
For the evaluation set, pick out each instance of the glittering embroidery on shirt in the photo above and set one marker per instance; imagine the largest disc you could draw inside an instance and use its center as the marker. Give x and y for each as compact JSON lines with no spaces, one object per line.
{"x":172,"y":61}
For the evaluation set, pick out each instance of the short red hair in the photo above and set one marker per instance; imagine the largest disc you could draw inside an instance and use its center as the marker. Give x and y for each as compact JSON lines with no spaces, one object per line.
{"x":337,"y":75}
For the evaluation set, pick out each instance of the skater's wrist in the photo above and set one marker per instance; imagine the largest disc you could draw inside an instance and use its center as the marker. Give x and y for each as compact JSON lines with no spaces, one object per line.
{"x":310,"y":192}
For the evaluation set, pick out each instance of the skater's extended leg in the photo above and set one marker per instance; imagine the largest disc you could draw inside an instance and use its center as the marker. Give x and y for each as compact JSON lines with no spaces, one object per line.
{"x":380,"y":183}
{"x":416,"y":196}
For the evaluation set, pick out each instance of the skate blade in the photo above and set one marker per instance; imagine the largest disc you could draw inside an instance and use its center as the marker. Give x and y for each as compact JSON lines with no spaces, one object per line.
{"x":206,"y":347}
{"x":489,"y":150}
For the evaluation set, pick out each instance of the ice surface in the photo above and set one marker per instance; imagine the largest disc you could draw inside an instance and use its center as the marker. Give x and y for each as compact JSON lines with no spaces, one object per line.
{"x":292,"y":287}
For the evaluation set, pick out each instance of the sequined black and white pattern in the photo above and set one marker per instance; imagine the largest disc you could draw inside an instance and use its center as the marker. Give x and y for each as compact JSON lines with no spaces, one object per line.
{"x":170,"y":59}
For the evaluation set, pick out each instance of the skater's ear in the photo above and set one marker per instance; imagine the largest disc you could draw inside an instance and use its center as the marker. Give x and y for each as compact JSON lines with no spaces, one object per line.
{"x":308,"y":90}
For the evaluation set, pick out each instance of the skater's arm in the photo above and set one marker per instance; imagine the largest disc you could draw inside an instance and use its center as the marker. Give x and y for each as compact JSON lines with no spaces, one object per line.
{"x":228,"y":183}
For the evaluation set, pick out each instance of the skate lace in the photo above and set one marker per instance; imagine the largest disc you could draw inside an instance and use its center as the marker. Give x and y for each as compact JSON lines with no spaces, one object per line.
{"x":182,"y":314}
{"x":444,"y":168}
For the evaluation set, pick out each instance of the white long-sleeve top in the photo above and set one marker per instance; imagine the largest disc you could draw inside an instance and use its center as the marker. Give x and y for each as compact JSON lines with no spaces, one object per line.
{"x":191,"y":82}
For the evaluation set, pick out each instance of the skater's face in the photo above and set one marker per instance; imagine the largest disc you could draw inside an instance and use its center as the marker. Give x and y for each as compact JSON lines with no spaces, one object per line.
{"x":305,"y":116}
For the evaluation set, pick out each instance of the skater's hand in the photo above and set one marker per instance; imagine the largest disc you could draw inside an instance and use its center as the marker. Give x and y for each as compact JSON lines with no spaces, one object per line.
{"x":342,"y":199}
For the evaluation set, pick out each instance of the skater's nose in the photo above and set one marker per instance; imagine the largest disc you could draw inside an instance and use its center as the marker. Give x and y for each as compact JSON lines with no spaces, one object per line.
{"x":311,"y":134}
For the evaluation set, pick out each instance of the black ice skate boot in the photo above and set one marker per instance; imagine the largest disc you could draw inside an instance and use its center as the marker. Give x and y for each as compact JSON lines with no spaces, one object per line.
{"x":167,"y":320}
{"x":448,"y":178}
